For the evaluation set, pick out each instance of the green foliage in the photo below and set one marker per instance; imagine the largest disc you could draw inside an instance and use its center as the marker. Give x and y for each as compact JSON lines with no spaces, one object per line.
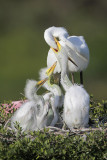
{"x":48,"y":145}
{"x":24,"y":50}
{"x":98,"y":112}
{"x":42,"y":145}
{"x":6,"y":112}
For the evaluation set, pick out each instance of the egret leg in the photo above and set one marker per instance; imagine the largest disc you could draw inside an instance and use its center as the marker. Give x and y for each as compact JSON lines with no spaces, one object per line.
{"x":55,"y":112}
{"x":55,"y":119}
{"x":72,"y":78}
{"x":81,"y":77}
{"x":64,"y":126}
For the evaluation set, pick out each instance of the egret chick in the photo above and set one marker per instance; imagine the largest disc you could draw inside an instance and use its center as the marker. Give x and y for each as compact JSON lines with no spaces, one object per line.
{"x":76,"y":107}
{"x":56,"y":100}
{"x":32,"y":114}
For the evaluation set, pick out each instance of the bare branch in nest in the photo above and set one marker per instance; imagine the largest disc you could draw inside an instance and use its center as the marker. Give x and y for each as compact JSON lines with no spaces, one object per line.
{"x":81,"y":131}
{"x":6,"y":124}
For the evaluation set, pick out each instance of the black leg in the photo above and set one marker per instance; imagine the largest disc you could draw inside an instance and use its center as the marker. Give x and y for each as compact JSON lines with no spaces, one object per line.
{"x":81,"y":77}
{"x":72,"y":78}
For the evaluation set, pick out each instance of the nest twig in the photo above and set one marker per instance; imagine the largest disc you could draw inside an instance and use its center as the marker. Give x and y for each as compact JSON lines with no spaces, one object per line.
{"x":81,"y":131}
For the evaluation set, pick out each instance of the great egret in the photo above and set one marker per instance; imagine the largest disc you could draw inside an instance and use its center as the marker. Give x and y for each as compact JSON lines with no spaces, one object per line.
{"x":76,"y":101}
{"x":32,"y":114}
{"x":74,"y":45}
{"x":56,"y":100}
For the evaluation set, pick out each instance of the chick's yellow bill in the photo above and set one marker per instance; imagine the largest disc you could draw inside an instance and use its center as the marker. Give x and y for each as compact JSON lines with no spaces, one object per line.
{"x":51,"y":69}
{"x":40,"y":83}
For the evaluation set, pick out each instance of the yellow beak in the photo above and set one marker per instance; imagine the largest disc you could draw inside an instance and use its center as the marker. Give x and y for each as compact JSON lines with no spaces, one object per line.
{"x":58,"y":46}
{"x":40,"y":83}
{"x":51,"y":69}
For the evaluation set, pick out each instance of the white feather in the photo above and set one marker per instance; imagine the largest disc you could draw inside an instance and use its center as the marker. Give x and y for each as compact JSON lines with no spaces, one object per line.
{"x":30,"y":89}
{"x":75,"y":47}
{"x":52,"y":32}
{"x":55,"y":97}
{"x":76,"y":107}
{"x":32,"y":115}
{"x":79,"y":53}
{"x":42,"y":73}
{"x":29,"y":117}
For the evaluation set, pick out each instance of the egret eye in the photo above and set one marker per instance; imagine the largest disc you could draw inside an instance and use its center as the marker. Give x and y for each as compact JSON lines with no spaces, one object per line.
{"x":57,"y":38}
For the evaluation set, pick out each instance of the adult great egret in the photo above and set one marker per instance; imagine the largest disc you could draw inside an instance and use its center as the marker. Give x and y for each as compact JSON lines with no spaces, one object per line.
{"x":32,"y":114}
{"x":74,"y":45}
{"x":56,"y":100}
{"x":76,"y":101}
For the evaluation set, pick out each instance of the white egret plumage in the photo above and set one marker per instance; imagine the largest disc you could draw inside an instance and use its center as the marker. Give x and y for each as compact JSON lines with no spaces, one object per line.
{"x":32,"y":114}
{"x":76,"y":101}
{"x":76,"y":107}
{"x":74,"y":45}
{"x":56,"y":100}
{"x":37,"y":113}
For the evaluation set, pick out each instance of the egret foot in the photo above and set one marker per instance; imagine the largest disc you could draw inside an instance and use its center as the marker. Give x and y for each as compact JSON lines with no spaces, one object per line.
{"x":64,"y":127}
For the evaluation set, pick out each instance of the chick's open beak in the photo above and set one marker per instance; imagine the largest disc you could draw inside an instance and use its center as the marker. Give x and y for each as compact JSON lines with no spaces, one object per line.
{"x":58,"y":46}
{"x":51,"y":69}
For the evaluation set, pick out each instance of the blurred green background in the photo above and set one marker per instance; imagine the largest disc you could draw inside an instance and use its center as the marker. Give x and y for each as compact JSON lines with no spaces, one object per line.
{"x":23,"y":50}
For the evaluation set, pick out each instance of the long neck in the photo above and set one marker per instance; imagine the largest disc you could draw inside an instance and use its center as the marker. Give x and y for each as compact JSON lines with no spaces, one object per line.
{"x":63,"y":60}
{"x":55,"y":89}
{"x":66,"y":83}
{"x":33,"y":94}
{"x":36,"y":97}
{"x":31,"y":91}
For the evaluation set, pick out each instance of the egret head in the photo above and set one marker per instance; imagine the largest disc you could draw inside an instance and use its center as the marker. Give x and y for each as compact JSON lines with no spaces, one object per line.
{"x":51,"y":69}
{"x":52,"y":33}
{"x":56,"y":38}
{"x":32,"y":87}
